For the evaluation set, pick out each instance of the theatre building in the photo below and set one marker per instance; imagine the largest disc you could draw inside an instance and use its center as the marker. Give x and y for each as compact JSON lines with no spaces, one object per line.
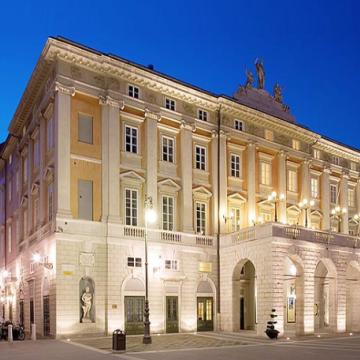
{"x":254,"y":212}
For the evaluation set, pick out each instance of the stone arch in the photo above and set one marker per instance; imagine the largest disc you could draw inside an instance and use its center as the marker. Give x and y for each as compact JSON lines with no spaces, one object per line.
{"x":353,"y":296}
{"x":87,"y":299}
{"x":244,"y":296}
{"x":325,"y":300}
{"x":293,"y":284}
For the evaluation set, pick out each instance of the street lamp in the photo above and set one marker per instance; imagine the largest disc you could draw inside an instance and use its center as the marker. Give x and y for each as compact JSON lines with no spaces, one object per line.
{"x":305,"y":205}
{"x":46,"y":265}
{"x":151,"y":217}
{"x":274,"y":199}
{"x":337,"y":213}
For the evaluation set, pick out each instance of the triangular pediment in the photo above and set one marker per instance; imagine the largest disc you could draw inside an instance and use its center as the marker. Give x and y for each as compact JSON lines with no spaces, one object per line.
{"x":265,"y":203}
{"x":293,"y":209}
{"x":35,"y":187}
{"x":236,"y":197}
{"x":24,"y":201}
{"x":202,"y":190}
{"x":49,"y":174}
{"x":353,"y":221}
{"x":317,"y":214}
{"x":132,"y":176}
{"x":169,"y":184}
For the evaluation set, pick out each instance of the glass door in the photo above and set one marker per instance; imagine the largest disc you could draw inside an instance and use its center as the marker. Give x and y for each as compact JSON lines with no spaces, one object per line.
{"x":205,"y":314}
{"x":134,"y":315}
{"x":172,"y":321}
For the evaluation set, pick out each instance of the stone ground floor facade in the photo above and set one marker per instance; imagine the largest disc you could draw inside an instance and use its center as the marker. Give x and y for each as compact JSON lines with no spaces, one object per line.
{"x":97,"y":281}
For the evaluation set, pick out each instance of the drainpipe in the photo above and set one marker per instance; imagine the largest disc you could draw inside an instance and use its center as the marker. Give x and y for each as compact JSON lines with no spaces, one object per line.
{"x":218,"y":212}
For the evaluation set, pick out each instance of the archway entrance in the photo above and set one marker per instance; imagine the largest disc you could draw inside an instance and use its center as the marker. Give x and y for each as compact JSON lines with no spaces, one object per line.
{"x":205,"y":307}
{"x":353,"y":297}
{"x":244,"y":297}
{"x":325,"y":296}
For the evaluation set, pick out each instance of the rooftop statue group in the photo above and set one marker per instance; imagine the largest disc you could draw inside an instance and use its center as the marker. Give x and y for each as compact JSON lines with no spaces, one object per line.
{"x":261,"y":80}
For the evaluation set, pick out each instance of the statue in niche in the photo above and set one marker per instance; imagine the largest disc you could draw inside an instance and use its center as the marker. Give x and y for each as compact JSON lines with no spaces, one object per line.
{"x":260,"y":73}
{"x":277,"y":93}
{"x":86,"y":299}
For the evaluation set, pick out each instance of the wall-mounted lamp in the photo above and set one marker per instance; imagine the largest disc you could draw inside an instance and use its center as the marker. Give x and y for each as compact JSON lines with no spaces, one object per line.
{"x":337,"y":213}
{"x":274,"y":199}
{"x":306,"y":205}
{"x":158,"y":263}
{"x":258,"y":221}
{"x":45,"y":265}
{"x":8,"y":278}
{"x":226,"y":218}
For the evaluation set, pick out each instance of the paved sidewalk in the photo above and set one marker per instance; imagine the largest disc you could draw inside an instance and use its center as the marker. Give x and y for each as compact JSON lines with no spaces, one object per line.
{"x":165,"y":342}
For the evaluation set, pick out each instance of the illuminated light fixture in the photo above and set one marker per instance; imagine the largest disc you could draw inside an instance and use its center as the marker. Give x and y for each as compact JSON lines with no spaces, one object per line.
{"x":157,"y":264}
{"x":45,"y":265}
{"x":306,"y":205}
{"x":274,"y":199}
{"x":5,"y":273}
{"x":337,"y":213}
{"x":351,"y":334}
{"x":226,"y":218}
{"x":258,"y":221}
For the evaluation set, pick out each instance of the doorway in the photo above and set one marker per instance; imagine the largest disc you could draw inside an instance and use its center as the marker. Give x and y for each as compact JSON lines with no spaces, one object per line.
{"x":205,"y":314}
{"x":134,"y":315}
{"x":172,"y":316}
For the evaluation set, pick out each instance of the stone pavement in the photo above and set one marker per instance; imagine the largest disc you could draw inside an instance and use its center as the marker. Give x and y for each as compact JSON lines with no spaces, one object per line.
{"x":165,"y":342}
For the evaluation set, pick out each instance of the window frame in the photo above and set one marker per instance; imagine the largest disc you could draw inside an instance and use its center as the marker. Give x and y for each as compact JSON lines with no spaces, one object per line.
{"x":238,"y":125}
{"x":292,"y":180}
{"x":134,"y":220}
{"x":203,"y":115}
{"x":134,"y":262}
{"x":170,"y":104}
{"x":131,"y":137}
{"x":169,"y":224}
{"x":166,"y":156}
{"x":264,"y":180}
{"x":269,"y":135}
{"x":200,"y":217}
{"x":171,"y":265}
{"x":82,"y":136}
{"x":333,"y":193}
{"x":314,"y":185}
{"x":133,"y":91}
{"x":201,"y":163}
{"x":235,"y":172}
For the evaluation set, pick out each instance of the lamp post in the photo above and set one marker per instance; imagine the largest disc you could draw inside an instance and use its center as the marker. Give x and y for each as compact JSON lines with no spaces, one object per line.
{"x":306,"y":205}
{"x":149,"y":216}
{"x":337,"y":213}
{"x":274,"y":199}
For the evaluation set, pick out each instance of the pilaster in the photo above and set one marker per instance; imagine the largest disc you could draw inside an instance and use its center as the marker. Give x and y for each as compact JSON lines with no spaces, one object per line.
{"x":325,"y":199}
{"x":282,"y":184}
{"x":62,"y":124}
{"x":305,"y":188}
{"x":250,"y":180}
{"x":186,"y":177}
{"x":344,"y":226}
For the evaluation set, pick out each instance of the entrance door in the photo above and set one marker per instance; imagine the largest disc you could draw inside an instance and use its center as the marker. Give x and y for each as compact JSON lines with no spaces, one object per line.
{"x":242,"y":313}
{"x":205,"y":314}
{"x":134,"y":315}
{"x":46,"y":315}
{"x":172,"y":317}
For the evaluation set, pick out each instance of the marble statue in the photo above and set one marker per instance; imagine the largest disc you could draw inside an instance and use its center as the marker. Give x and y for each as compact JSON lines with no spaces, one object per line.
{"x":277,"y":93}
{"x":249,"y":81}
{"x":86,"y":299}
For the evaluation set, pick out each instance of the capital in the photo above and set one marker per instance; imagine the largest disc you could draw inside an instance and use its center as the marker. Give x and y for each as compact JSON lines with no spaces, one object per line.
{"x":108,"y":100}
{"x":68,"y":90}
{"x":187,"y":126}
{"x":152,"y":115}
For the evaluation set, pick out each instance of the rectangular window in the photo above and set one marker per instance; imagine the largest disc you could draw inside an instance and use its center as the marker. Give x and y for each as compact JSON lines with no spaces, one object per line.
{"x":9,"y":237}
{"x":336,"y":160}
{"x":203,"y":115}
{"x":50,"y":133}
{"x":133,"y":91}
{"x":85,"y":199}
{"x":171,"y":265}
{"x":235,"y":166}
{"x":131,"y":207}
{"x":296,"y":144}
{"x":317,"y":154}
{"x":131,"y":134}
{"x":353,"y":166}
{"x":239,"y":125}
{"x":85,"y":128}
{"x":351,"y":198}
{"x":269,"y":135}
{"x":235,"y":221}
{"x":10,"y":190}
{"x":50,"y":202}
{"x":25,"y":169}
{"x":265,"y":173}
{"x":134,"y":262}
{"x":32,"y":267}
{"x":168,"y":149}
{"x":36,"y":153}
{"x":200,"y":218}
{"x":333,"y":193}
{"x":17,"y":181}
{"x":25,"y":224}
{"x":266,"y":217}
{"x":168,"y":213}
{"x":314,"y":188}
{"x":292,"y":180}
{"x":200,"y":159}
{"x":170,"y":104}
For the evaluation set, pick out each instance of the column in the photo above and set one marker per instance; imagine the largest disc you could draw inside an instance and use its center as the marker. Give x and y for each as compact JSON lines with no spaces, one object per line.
{"x":110,"y":120}
{"x":250,"y":179}
{"x":62,"y":123}
{"x":282,"y":185}
{"x":151,"y":151}
{"x":325,"y":199}
{"x":186,"y":152}
{"x":343,"y":198}
{"x":305,"y":189}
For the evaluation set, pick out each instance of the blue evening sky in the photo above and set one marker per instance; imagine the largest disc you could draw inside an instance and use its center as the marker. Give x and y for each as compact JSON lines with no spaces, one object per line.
{"x":310,"y":46}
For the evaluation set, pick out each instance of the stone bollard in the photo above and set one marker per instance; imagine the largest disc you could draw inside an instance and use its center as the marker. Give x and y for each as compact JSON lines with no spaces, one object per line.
{"x":33,"y":332}
{"x":10,"y":335}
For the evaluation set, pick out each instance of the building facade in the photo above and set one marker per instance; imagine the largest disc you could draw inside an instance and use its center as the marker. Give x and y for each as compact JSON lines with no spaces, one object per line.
{"x":254,"y":212}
